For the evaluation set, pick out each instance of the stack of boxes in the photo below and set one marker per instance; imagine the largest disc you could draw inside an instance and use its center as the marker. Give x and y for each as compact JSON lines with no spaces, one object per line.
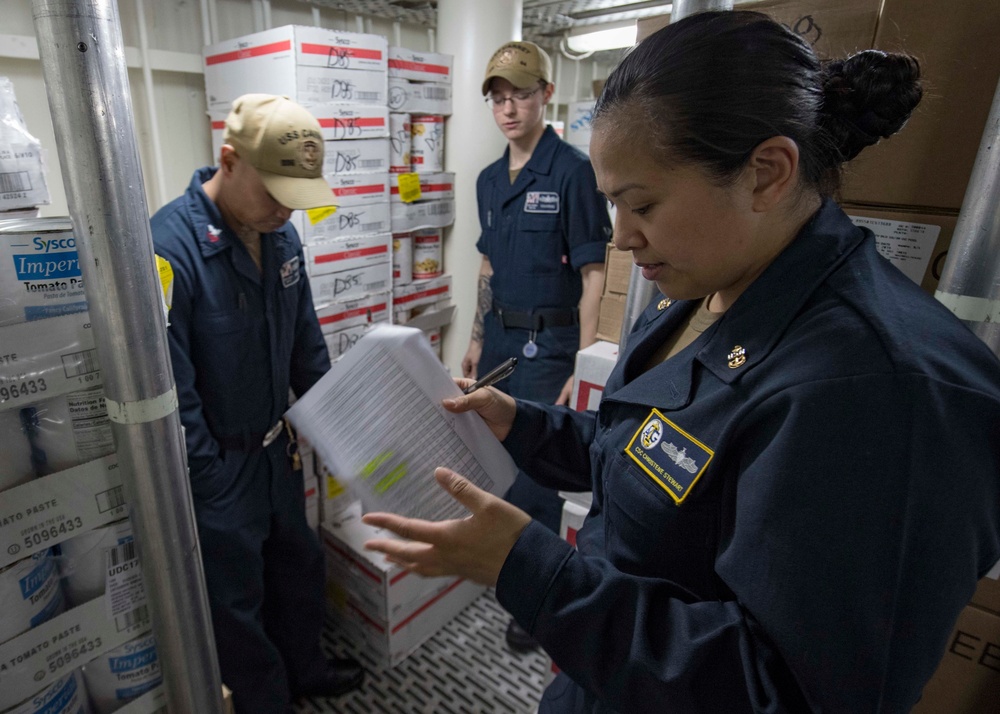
{"x":22,"y":172}
{"x":423,"y":195}
{"x":74,"y":626}
{"x":374,"y":258}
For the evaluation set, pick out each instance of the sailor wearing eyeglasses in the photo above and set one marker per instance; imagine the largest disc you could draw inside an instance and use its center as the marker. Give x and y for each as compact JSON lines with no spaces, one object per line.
{"x":544,"y":231}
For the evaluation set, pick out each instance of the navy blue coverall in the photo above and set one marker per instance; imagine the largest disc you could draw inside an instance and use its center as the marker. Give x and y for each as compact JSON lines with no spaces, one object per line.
{"x":788,"y":515}
{"x":538,"y":233}
{"x":239,"y":338}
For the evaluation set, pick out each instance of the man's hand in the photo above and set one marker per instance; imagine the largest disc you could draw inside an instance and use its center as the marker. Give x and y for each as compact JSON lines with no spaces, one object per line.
{"x":474,"y":547}
{"x":470,"y":363}
{"x":567,"y":392}
{"x":496,"y":408}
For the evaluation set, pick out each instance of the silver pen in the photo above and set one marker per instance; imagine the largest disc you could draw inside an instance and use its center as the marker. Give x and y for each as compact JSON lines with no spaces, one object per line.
{"x":493,"y":376}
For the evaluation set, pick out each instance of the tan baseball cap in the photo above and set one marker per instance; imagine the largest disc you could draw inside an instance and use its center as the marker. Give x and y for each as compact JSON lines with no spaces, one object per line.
{"x":284,"y":142}
{"x":521,"y":63}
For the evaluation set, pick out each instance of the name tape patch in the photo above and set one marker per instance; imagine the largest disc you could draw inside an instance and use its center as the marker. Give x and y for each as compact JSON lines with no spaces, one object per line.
{"x":670,"y":456}
{"x":290,"y":272}
{"x":541,"y":202}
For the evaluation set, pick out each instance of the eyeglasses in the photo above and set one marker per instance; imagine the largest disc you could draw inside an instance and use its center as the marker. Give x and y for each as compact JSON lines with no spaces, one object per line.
{"x":497,"y":101}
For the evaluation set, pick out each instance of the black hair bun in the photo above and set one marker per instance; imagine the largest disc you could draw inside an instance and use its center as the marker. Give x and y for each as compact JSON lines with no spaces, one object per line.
{"x":868,"y":97}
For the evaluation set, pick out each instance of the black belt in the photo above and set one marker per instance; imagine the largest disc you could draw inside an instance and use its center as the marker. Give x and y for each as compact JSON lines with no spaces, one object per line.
{"x":537,"y":320}
{"x":252,"y":442}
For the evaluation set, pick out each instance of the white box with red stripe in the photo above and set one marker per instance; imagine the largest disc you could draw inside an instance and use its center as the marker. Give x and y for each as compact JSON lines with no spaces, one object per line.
{"x":433,"y":187}
{"x":408,"y":217}
{"x":333,"y":66}
{"x":351,"y":190}
{"x":351,"y":313}
{"x":355,"y":156}
{"x":593,"y":367}
{"x":420,"y":66}
{"x":388,"y":609}
{"x":345,"y":222}
{"x":420,"y":293}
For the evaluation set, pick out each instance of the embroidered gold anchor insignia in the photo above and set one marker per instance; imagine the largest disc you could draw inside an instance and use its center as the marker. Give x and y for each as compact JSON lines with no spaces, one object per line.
{"x":737,"y":358}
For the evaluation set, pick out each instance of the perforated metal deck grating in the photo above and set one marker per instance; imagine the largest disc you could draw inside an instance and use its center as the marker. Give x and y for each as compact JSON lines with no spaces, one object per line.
{"x":465,"y":668}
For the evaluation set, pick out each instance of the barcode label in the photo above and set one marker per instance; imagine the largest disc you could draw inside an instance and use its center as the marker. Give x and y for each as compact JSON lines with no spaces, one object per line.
{"x":371,"y":163}
{"x":110,"y":499}
{"x":371,"y":227}
{"x":367,"y":96}
{"x":435,"y":93}
{"x":121,"y":553}
{"x":136,"y":617}
{"x":438,"y":209}
{"x":15,"y":181}
{"x":77,"y":364}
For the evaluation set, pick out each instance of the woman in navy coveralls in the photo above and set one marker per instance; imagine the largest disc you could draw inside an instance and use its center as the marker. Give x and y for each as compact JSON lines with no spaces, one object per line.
{"x":796,"y":462}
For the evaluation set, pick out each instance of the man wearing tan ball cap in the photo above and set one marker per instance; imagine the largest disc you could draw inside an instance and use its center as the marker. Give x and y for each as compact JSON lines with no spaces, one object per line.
{"x":544,"y":230}
{"x":242,"y":331}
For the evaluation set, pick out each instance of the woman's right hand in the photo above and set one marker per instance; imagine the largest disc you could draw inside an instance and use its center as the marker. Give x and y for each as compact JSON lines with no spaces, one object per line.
{"x":496,"y":408}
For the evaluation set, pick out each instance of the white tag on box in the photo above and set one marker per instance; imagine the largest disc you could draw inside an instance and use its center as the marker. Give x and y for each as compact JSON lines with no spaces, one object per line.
{"x":908,"y":246}
{"x":46,"y":358}
{"x":55,"y":508}
{"x":43,"y":654}
{"x":124,"y":590}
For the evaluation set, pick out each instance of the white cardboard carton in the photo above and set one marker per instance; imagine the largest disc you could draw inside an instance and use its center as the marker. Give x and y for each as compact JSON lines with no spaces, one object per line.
{"x":359,"y":189}
{"x":269,"y":62}
{"x":340,"y":254}
{"x":22,"y":171}
{"x":407,"y":97}
{"x":593,"y":367}
{"x":363,"y":311}
{"x":420,"y":293}
{"x":408,"y":217}
{"x":351,"y":284}
{"x":420,"y":66}
{"x":345,"y":222}
{"x":391,"y":611}
{"x":433,"y":187}
{"x":47,"y":358}
{"x":356,"y":156}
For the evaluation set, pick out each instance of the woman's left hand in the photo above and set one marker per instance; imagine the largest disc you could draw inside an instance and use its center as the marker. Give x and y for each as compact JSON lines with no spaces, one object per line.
{"x":474,"y":547}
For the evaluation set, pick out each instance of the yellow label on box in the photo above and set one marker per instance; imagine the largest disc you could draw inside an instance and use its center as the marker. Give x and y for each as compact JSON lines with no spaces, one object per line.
{"x":333,"y":487}
{"x":318,"y":214}
{"x":409,"y":187}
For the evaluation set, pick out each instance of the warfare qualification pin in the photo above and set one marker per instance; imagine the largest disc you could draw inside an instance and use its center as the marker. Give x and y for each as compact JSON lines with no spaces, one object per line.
{"x":664,"y":304}
{"x":737,"y":357}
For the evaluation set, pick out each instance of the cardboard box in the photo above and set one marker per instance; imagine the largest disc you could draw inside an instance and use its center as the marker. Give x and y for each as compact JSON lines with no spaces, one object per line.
{"x":391,"y":611}
{"x":352,"y":284}
{"x":987,"y":595}
{"x":420,"y":293}
{"x":338,"y":255}
{"x":617,"y":270}
{"x":310,"y":64}
{"x":47,"y":358}
{"x":58,"y":646}
{"x":916,"y":243}
{"x":363,"y":311}
{"x":338,"y":122}
{"x":834,"y":30}
{"x":312,"y":498}
{"x":420,"y":66}
{"x":39,"y":269}
{"x":593,"y":367}
{"x":356,"y":156}
{"x":408,"y":217}
{"x":968,"y":679}
{"x":433,"y":187}
{"x":345,"y":222}
{"x":930,"y":161}
{"x":22,"y":171}
{"x":407,"y":97}
{"x":578,"y":131}
{"x":359,"y":189}
{"x":337,"y":343}
{"x":610,"y":318}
